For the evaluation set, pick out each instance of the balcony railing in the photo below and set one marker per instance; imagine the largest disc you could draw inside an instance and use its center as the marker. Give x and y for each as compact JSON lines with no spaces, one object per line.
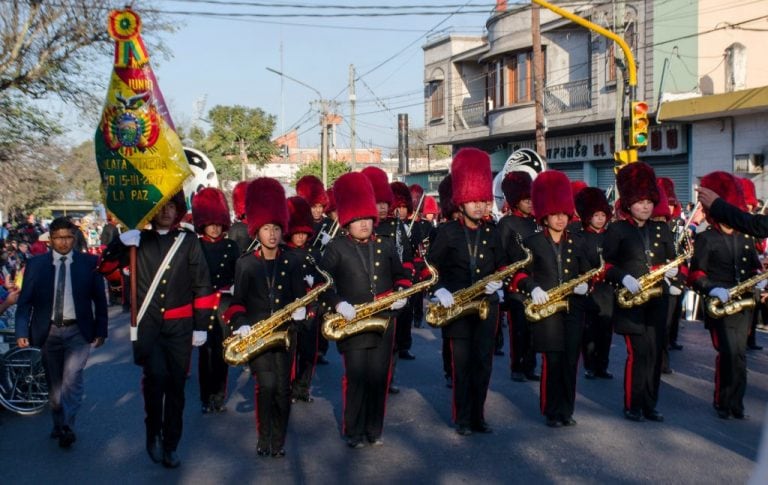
{"x":571,"y":96}
{"x":469,"y":116}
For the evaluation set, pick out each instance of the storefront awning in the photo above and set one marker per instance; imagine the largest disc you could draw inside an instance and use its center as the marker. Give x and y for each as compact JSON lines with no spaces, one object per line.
{"x":747,"y":101}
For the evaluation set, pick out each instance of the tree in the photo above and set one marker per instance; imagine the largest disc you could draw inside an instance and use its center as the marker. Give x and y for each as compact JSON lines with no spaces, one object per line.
{"x":335,"y":170}
{"x":239,"y":136}
{"x":80,"y":174}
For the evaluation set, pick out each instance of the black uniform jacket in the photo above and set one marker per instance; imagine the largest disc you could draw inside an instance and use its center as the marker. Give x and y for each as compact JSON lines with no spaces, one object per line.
{"x":450,"y":254}
{"x":349,"y":263}
{"x":239,"y":233}
{"x":552,"y":265}
{"x":601,"y":299}
{"x":755,"y":225}
{"x":394,"y":229}
{"x":221,"y":255}
{"x":721,"y":260}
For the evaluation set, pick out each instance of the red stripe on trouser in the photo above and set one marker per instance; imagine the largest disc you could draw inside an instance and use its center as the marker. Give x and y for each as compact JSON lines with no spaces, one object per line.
{"x":543,"y":384}
{"x":389,"y":371}
{"x":454,"y":411}
{"x":344,"y":389}
{"x":716,"y":345}
{"x":256,"y":404}
{"x":628,"y":367}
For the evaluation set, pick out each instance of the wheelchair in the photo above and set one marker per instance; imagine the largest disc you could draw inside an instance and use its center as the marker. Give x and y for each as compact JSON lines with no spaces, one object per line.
{"x":23,"y":385}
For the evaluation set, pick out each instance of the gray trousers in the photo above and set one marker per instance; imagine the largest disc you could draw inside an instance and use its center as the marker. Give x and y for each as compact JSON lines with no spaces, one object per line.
{"x":65,"y":354}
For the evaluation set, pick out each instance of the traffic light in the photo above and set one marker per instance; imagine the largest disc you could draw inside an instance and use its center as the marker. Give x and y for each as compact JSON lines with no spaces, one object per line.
{"x":638,"y":124}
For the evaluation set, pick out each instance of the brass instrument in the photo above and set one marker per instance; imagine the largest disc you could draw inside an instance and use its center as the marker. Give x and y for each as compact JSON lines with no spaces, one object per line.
{"x":264,"y":335}
{"x":464,"y":301}
{"x":717,"y":309}
{"x":558,"y":297}
{"x":649,"y":283}
{"x":336,"y":327}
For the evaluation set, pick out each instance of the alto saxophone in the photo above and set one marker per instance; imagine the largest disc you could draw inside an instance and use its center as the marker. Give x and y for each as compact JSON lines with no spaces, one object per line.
{"x":558,"y":297}
{"x":264,"y":335}
{"x":464,"y":300}
{"x":717,"y":309}
{"x":336,"y":327}
{"x":649,"y":283}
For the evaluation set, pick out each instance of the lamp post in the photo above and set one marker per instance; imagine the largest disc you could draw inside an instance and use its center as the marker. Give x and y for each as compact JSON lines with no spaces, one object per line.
{"x":323,"y":123}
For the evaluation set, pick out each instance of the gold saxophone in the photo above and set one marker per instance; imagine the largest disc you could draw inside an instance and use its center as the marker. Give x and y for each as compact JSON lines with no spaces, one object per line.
{"x":649,"y":283}
{"x":264,"y":335}
{"x":558,"y":297}
{"x":464,"y":301}
{"x":717,"y":309}
{"x":336,"y":327}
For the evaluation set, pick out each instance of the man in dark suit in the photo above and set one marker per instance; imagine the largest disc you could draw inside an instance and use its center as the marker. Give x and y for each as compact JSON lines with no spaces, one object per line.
{"x":63,"y":310}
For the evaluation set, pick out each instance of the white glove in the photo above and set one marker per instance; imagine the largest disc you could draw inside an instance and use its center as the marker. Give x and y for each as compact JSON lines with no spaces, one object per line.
{"x":671,"y":272}
{"x":675,"y":291}
{"x":347,"y":311}
{"x":398,"y":304}
{"x":581,"y":289}
{"x":243,"y":330}
{"x":444,"y":297}
{"x":539,"y":296}
{"x":631,"y":283}
{"x":493,"y":287}
{"x":310,"y":280}
{"x":720,"y":293}
{"x":325,"y":238}
{"x":131,"y":238}
{"x":500,"y":294}
{"x":761,"y":286}
{"x":299,"y":314}
{"x":199,"y":337}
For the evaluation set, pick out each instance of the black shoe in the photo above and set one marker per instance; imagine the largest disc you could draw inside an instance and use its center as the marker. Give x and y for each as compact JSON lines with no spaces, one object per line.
{"x":56,"y":433}
{"x":206,"y":408}
{"x":554,"y":423}
{"x":532,"y":377}
{"x":589,"y":374}
{"x":604,"y":375}
{"x":67,"y":437}
{"x":375,"y":441}
{"x":667,"y":370}
{"x":448,"y":382}
{"x":393,"y":389}
{"x":754,"y":347}
{"x":463,"y":430}
{"x":482,"y":427}
{"x":321,"y":360}
{"x":217,"y":405}
{"x":723,"y":413}
{"x":406,"y":355}
{"x":280,"y":453}
{"x":171,"y":459}
{"x":569,"y":421}
{"x":675,"y":346}
{"x":518,"y":377}
{"x":653,"y":415}
{"x":498,"y":352}
{"x":262,"y":450}
{"x":633,"y":415}
{"x":155,"y":449}
{"x":355,"y":443}
{"x":739,"y":415}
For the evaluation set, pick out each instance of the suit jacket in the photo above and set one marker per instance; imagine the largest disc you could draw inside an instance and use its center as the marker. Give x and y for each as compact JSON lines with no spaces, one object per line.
{"x":35,"y":306}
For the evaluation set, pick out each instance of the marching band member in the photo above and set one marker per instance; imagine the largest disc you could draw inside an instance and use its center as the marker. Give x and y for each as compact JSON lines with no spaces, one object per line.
{"x":364,"y":267}
{"x":239,"y":230}
{"x":595,"y":212}
{"x":514,"y":227}
{"x":750,"y":201}
{"x":266,"y":280}
{"x":448,"y":212}
{"x":723,"y":258}
{"x":465,"y":251}
{"x":402,"y":208}
{"x":558,"y":256}
{"x":311,"y":189}
{"x":210,"y":215}
{"x":422,"y":234}
{"x":677,"y":225}
{"x":633,"y":247}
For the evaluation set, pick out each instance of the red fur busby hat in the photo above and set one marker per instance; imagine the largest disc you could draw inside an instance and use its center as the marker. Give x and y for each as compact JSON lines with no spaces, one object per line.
{"x":209,"y":206}
{"x":417,"y":191}
{"x":551,"y":194}
{"x":726,"y":186}
{"x":238,"y":199}
{"x":636,"y":182}
{"x":471,"y":175}
{"x":669,"y":188}
{"x":299,"y":217}
{"x":589,"y":201}
{"x":311,"y":189}
{"x":354,"y":198}
{"x":662,"y":208}
{"x":380,"y":183}
{"x":445,"y":192}
{"x":402,"y":197}
{"x":516,"y":187}
{"x":577,"y":186}
{"x":331,"y":201}
{"x":430,"y":206}
{"x":265,"y":204}
{"x":748,"y":189}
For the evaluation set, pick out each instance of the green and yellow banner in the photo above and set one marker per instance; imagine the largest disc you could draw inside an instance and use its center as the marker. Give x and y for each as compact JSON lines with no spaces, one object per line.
{"x":140,"y":157}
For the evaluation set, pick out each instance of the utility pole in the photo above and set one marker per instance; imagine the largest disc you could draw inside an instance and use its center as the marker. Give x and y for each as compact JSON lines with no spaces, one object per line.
{"x":538,"y":79}
{"x":352,"y":100}
{"x":324,"y":141}
{"x":618,"y":28}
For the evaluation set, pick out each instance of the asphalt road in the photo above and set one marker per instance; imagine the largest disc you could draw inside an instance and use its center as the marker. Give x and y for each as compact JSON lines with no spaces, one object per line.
{"x":692,"y":446}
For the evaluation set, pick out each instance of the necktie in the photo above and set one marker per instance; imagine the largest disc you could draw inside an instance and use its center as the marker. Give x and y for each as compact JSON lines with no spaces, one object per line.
{"x":58,"y":305}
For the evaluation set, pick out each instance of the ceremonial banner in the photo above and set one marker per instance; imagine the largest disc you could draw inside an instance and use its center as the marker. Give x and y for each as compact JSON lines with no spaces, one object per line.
{"x":140,"y":157}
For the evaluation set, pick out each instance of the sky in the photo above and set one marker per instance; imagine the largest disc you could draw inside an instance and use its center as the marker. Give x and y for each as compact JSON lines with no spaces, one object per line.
{"x":223,"y":61}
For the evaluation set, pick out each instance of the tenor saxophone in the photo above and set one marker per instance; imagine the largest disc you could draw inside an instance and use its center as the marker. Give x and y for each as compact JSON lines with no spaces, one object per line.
{"x":649,"y":283}
{"x":264,"y":335}
{"x":558,"y":297}
{"x":336,"y":327}
{"x":717,"y":309}
{"x":465,"y":301}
